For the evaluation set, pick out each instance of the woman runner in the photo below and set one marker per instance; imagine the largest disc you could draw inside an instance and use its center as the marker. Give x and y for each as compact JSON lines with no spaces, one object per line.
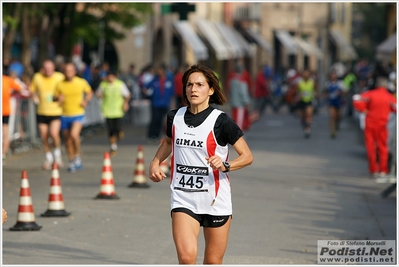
{"x":198,"y":136}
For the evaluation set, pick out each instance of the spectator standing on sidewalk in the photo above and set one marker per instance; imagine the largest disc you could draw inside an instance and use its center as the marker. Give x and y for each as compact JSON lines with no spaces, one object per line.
{"x":240,"y":99}
{"x":146,"y":76}
{"x":179,"y":85}
{"x":116,"y":96}
{"x":73,"y":94}
{"x":160,"y":90}
{"x":377,"y":103}
{"x":244,"y":76}
{"x":17,"y":67}
{"x":262,"y":91}
{"x":9,"y":86}
{"x":130,"y":78}
{"x":48,"y":112}
{"x":350,"y":82}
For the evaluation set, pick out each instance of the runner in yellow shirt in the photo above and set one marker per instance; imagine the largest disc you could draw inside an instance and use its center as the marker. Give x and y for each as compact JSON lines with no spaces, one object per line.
{"x":48,"y":112}
{"x":73,"y":94}
{"x":306,"y":93}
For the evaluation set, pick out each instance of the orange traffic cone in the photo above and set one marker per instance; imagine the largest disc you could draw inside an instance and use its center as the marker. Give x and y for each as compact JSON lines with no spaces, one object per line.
{"x":107,"y":189}
{"x":26,"y":216}
{"x":56,"y":200}
{"x":139,"y":178}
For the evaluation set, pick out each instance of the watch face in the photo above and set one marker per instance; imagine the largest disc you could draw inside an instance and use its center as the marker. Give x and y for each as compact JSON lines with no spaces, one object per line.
{"x":226,"y":165}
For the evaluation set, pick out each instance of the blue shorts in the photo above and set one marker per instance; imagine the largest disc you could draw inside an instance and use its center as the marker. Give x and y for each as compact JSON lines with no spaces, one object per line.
{"x":66,"y":122}
{"x":335,"y":103}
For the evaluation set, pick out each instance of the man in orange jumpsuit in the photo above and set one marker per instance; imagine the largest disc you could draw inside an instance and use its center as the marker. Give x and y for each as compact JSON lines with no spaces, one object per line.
{"x":377,"y":104}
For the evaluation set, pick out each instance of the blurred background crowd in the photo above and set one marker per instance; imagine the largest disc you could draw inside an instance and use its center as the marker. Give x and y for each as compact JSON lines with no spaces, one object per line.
{"x":267,"y":45}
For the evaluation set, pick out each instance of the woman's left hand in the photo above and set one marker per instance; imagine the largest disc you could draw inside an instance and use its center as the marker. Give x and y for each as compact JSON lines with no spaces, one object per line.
{"x":215,"y":162}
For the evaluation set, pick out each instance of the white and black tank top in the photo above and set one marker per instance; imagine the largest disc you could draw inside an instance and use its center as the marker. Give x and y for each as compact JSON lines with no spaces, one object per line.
{"x":194,"y":184}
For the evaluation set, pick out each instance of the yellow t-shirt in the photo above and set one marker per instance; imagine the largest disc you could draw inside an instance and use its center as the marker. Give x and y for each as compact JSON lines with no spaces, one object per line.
{"x":73,"y":92}
{"x":44,"y":87}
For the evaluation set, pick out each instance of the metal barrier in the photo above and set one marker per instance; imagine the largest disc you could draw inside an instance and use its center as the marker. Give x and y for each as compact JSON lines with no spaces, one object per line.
{"x":95,"y":121}
{"x":23,"y":131}
{"x":93,"y":113}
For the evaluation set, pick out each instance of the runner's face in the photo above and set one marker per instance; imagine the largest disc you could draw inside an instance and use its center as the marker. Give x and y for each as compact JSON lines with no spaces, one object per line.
{"x":48,"y":68}
{"x":197,"y":89}
{"x":111,"y":78}
{"x":306,"y":75}
{"x":69,"y":71}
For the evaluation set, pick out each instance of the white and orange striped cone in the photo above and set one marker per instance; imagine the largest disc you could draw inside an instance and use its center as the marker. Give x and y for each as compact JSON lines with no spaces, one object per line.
{"x":107,"y":189}
{"x":56,"y":206}
{"x":139,"y":177}
{"x":26,"y":216}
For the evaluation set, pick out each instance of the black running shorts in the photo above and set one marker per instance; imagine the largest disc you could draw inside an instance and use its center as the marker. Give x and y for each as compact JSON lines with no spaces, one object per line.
{"x":46,"y":119}
{"x":204,"y":220}
{"x":114,"y":126}
{"x":303,"y":105}
{"x":6,"y":119}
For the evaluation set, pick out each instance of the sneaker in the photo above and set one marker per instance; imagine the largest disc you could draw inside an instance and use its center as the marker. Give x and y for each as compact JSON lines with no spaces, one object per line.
{"x":112,"y":152}
{"x":78,"y":163}
{"x":47,"y":165}
{"x":72,"y":167}
{"x":333,"y":135}
{"x":383,"y":178}
{"x":59,"y":162}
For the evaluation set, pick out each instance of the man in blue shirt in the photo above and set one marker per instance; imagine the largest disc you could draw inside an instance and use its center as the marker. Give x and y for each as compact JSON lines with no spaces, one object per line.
{"x":160,"y":90}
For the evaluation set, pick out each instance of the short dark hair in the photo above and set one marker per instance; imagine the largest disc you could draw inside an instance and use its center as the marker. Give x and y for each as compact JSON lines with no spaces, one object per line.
{"x":218,"y":96}
{"x":112,"y":72}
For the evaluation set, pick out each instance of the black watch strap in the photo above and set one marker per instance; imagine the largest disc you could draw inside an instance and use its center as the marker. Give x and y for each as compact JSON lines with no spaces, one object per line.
{"x":227,"y":166}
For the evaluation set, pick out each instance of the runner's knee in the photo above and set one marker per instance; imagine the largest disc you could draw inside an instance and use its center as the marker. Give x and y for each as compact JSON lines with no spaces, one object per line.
{"x":188,"y":256}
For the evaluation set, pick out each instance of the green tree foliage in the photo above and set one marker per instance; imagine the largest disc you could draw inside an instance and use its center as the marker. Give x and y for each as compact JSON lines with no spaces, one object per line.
{"x":65,"y":23}
{"x":373,"y":27}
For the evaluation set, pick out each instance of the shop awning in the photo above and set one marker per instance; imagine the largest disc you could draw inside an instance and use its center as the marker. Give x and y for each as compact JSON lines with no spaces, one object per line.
{"x":308,"y":48}
{"x":190,"y":37}
{"x":209,"y":31}
{"x":249,"y":51}
{"x":346,"y":50}
{"x":287,"y":41}
{"x":231,"y":38}
{"x":386,"y":49}
{"x":257,"y":38}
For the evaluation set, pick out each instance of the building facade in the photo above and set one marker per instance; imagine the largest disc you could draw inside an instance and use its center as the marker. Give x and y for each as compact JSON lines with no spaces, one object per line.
{"x":281,"y":34}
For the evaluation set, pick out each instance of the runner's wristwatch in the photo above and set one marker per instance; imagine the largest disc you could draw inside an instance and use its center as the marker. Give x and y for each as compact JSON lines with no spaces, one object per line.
{"x":226,"y":165}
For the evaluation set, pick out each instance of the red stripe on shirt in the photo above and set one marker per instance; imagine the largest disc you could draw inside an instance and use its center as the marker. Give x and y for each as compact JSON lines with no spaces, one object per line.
{"x":172,"y":161}
{"x":211,"y":149}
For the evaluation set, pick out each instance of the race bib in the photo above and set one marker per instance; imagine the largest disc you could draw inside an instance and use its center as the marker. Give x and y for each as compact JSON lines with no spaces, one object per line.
{"x":191,"y":178}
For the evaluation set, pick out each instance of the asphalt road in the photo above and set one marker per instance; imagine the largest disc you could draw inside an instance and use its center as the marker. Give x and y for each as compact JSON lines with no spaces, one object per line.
{"x":297,"y":191}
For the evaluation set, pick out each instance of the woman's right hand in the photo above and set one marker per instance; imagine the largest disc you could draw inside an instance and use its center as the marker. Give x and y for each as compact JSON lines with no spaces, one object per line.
{"x":156,"y":174}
